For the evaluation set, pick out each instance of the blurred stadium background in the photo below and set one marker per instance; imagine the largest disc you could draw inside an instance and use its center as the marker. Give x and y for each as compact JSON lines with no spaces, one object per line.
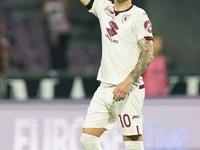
{"x":42,"y":108}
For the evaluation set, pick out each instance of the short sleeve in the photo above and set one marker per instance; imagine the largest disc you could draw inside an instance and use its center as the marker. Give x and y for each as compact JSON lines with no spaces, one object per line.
{"x":143,"y":27}
{"x":97,"y":7}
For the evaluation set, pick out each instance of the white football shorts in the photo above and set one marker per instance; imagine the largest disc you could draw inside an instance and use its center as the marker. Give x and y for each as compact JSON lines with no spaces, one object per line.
{"x":103,"y":110}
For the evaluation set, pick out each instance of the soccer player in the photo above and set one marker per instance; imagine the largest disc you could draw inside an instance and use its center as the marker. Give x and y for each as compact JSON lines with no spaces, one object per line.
{"x":127,"y":50}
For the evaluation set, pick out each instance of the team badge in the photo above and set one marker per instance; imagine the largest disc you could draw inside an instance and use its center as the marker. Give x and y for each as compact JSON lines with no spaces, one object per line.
{"x":125,"y":18}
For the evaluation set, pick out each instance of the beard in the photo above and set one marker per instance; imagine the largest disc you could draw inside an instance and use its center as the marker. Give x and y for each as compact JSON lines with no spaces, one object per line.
{"x":121,"y":1}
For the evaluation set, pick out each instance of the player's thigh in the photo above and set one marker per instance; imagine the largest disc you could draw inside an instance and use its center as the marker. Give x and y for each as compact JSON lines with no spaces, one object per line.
{"x":98,"y":121}
{"x":94,"y":131}
{"x":129,"y":113}
{"x":98,"y":117}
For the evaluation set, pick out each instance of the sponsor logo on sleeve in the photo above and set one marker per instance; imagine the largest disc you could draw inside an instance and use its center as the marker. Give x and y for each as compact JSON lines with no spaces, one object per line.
{"x":148,"y":26}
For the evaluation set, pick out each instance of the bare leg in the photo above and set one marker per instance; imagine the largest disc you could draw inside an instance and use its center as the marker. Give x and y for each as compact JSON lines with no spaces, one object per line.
{"x":133,"y":138}
{"x":134,"y":142}
{"x":94,"y":131}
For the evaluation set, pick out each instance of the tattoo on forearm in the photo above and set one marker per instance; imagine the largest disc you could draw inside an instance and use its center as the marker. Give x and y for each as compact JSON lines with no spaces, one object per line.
{"x":145,"y":59}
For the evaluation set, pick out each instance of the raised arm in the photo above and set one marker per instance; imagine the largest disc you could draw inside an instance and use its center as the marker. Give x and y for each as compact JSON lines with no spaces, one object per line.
{"x":145,"y":59}
{"x":85,"y":2}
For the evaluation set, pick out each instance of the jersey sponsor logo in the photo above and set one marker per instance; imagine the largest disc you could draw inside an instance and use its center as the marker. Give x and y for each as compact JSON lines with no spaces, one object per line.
{"x":112,"y":31}
{"x":148,"y":26}
{"x":125,"y":18}
{"x":111,"y":40}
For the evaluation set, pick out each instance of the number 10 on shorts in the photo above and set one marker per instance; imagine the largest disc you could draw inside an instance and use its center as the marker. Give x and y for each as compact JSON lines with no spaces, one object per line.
{"x":125,"y":120}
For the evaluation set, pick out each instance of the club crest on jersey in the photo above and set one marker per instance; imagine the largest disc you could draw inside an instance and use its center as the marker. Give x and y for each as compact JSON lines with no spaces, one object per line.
{"x":125,"y":18}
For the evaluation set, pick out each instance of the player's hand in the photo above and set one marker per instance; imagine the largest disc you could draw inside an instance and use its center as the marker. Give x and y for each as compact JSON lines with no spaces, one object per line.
{"x":122,"y":89}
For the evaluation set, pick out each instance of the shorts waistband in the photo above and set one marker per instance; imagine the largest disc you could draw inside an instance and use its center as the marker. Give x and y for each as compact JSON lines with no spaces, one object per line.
{"x":107,"y":84}
{"x":112,"y":85}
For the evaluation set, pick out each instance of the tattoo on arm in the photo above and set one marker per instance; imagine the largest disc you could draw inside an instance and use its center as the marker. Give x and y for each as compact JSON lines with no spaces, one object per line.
{"x":145,"y":59}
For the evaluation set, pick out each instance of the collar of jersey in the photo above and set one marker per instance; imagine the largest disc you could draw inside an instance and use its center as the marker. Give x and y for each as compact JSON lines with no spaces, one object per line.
{"x":117,"y":12}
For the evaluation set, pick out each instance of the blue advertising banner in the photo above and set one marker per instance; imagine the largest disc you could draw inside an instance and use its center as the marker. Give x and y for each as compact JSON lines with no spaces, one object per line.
{"x":57,"y":125}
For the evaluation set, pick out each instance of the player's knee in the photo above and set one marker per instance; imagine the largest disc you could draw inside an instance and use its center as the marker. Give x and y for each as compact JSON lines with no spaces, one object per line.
{"x":133,"y":138}
{"x":90,"y":142}
{"x":133,"y":142}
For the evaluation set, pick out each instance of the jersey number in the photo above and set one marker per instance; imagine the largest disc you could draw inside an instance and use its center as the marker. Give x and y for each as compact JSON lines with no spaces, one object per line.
{"x":112,"y":30}
{"x":125,"y":120}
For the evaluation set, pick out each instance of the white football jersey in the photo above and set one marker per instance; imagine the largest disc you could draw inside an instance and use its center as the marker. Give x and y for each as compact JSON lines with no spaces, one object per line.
{"x":121,"y":32}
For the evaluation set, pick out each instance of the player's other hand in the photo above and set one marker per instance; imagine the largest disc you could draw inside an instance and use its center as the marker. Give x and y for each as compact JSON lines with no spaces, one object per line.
{"x":122,"y":89}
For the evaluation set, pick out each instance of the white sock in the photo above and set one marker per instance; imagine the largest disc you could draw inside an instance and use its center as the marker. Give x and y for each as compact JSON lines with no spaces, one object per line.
{"x":134,"y":145}
{"x":90,"y":142}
